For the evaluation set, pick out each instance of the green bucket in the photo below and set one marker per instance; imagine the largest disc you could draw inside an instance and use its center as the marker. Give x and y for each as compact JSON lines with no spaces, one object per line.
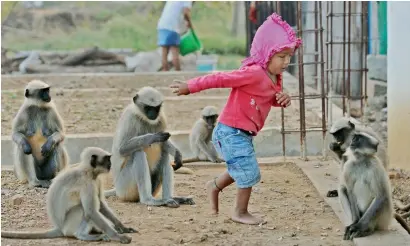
{"x":189,"y":43}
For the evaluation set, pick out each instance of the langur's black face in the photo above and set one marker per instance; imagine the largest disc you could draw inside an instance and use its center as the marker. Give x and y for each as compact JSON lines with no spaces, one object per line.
{"x":152,"y":112}
{"x":210,"y":120}
{"x":361,"y":142}
{"x":41,"y":94}
{"x":341,"y":135}
{"x":104,"y":163}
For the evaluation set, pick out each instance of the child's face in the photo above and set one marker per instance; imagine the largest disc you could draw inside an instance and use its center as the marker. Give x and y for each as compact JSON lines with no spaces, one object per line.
{"x":280,"y":61}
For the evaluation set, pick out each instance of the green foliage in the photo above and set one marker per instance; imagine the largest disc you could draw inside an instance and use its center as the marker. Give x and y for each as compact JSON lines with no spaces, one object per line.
{"x":133,"y":25}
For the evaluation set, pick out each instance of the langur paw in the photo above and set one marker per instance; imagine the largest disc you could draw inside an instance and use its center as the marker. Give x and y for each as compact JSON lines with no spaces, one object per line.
{"x":189,"y":201}
{"x":160,"y":137}
{"x":125,"y":239}
{"x":105,"y":238}
{"x":27,"y":149}
{"x":334,"y":146}
{"x":121,"y":229}
{"x":332,"y":193}
{"x":45,"y":183}
{"x":129,"y":230}
{"x":171,"y":203}
{"x":47,"y":148}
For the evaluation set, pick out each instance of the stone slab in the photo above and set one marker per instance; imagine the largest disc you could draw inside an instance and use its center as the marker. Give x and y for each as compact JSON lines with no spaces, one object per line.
{"x":268,"y":143}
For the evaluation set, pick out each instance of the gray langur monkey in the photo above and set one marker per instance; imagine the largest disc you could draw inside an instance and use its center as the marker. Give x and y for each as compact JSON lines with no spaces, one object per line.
{"x":364,"y":191}
{"x":38,"y":134}
{"x":342,"y":131}
{"x":140,"y":153}
{"x":76,"y":205}
{"x":201,"y":136}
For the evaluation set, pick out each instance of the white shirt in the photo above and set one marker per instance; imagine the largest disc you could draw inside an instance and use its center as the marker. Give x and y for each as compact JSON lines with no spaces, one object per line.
{"x":172,"y":15}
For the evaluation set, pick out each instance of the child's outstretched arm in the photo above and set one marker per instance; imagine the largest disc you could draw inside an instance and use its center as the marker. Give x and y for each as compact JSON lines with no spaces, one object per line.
{"x":233,"y":79}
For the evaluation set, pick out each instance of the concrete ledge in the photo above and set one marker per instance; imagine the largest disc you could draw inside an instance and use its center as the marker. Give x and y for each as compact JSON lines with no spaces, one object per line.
{"x":325,"y":177}
{"x":268,"y":143}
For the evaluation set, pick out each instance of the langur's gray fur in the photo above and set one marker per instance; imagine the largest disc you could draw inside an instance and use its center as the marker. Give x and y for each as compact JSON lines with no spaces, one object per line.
{"x":38,"y":134}
{"x":76,"y":204}
{"x":364,"y":191}
{"x":140,"y":153}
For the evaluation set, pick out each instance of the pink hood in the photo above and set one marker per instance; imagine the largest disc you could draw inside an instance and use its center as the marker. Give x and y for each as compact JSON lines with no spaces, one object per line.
{"x":272,"y":36}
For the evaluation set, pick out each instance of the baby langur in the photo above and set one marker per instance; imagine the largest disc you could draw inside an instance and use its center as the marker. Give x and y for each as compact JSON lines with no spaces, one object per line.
{"x":38,"y":135}
{"x":201,"y":136}
{"x":140,"y":153}
{"x":76,"y":205}
{"x":342,"y":131}
{"x":364,"y":191}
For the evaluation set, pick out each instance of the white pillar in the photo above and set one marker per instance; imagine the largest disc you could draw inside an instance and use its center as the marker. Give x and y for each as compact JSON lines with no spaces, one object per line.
{"x":398,"y":81}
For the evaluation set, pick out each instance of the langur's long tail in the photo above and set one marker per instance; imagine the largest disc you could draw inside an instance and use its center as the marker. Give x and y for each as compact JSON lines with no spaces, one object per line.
{"x":402,"y":222}
{"x":51,"y":233}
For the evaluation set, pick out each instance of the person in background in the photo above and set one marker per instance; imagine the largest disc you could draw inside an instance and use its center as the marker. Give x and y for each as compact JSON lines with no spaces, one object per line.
{"x":169,"y":30}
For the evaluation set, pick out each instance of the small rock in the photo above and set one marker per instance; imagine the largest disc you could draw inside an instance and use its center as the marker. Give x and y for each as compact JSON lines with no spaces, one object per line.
{"x":327,"y":174}
{"x":271,"y":228}
{"x":280,"y":238}
{"x":337,"y":230}
{"x":5,"y":191}
{"x":169,"y":227}
{"x":307,"y":195}
{"x":204,"y":238}
{"x":149,"y":208}
{"x":324,"y":234}
{"x":293,"y":234}
{"x":287,"y":181}
{"x":17,"y":199}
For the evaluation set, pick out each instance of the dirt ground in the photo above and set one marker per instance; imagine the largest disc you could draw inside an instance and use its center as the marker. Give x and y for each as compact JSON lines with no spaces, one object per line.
{"x":295,"y":213}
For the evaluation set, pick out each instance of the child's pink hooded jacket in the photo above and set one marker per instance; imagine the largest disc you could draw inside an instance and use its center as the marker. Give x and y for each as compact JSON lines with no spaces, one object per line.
{"x":253,"y":93}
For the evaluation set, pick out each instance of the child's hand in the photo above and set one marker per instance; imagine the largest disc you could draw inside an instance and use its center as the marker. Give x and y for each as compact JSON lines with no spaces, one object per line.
{"x":181,"y":88}
{"x":283,"y":99}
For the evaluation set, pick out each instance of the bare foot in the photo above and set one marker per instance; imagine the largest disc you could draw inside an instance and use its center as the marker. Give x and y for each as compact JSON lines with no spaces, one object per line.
{"x":246,"y":218}
{"x":213,"y":193}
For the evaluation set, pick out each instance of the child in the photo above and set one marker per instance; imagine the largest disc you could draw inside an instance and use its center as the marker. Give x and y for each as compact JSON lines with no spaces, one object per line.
{"x":169,"y":28}
{"x":256,"y":87}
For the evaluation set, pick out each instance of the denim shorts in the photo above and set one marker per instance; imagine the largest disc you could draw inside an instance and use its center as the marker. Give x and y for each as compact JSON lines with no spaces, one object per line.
{"x":236,"y":147}
{"x":168,"y":38}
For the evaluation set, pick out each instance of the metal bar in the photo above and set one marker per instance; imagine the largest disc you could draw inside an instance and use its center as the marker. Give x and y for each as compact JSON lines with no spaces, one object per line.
{"x":349,"y":20}
{"x":306,"y":63}
{"x":282,"y":111}
{"x":308,"y":30}
{"x":366,"y":24}
{"x":344,"y":57}
{"x":362,"y":55}
{"x":311,"y":129}
{"x":330,"y":89}
{"x":348,"y":42}
{"x":316,"y":96}
{"x":322,"y":83}
{"x":344,"y":70}
{"x":301,"y":87}
{"x":342,"y":14}
{"x":316,"y":45}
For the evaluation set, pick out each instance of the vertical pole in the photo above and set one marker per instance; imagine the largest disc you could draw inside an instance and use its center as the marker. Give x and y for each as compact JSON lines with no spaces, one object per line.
{"x":322,"y":82}
{"x":301,"y":87}
{"x":349,"y":44}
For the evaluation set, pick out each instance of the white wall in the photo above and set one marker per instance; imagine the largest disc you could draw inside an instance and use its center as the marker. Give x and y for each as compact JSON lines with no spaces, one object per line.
{"x":398,"y":91}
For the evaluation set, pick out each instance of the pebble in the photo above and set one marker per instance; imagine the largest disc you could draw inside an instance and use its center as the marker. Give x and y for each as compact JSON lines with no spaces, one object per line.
{"x":17,"y":199}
